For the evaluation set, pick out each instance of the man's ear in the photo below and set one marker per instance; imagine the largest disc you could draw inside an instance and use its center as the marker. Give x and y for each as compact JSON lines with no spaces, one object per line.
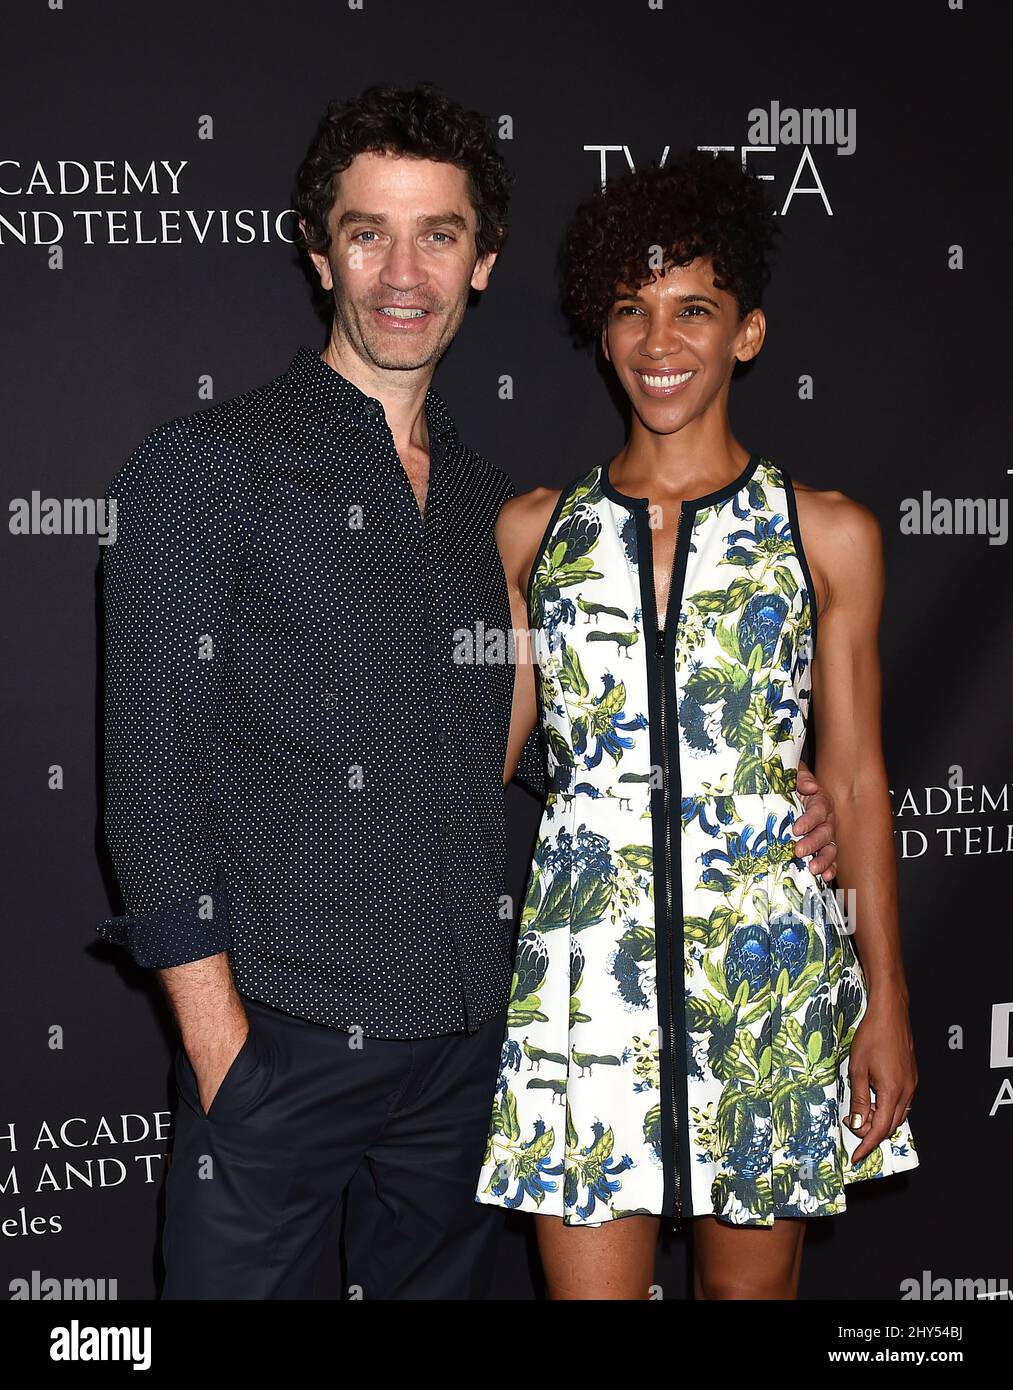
{"x":483,"y":269}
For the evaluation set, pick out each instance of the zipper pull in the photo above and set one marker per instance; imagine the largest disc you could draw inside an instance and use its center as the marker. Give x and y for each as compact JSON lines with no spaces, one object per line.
{"x":659,"y":642}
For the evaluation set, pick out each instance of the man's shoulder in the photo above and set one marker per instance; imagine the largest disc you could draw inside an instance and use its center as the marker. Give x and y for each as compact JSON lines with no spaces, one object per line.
{"x":235,"y":420}
{"x":479,"y":471}
{"x":188,"y":450}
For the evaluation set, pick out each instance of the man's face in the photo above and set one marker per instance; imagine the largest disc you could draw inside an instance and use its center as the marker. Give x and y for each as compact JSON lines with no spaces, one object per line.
{"x":674,"y":343}
{"x":402,"y":258}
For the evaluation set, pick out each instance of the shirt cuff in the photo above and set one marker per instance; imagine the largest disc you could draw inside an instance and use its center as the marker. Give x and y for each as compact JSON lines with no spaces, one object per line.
{"x":176,"y":934}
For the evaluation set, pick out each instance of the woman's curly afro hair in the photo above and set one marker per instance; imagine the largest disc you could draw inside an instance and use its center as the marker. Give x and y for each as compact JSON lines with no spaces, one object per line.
{"x":420,"y":123}
{"x":699,"y":204}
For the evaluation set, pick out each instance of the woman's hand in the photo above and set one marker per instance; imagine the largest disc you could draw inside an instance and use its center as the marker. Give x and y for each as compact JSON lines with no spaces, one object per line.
{"x":882,"y":1062}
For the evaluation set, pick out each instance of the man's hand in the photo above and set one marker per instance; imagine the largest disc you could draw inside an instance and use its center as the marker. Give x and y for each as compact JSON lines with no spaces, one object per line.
{"x":816,"y":826}
{"x":211,"y":1059}
{"x":212,"y":1021}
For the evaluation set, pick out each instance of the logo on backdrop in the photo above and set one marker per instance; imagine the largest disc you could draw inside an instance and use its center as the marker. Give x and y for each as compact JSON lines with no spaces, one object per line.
{"x":784,"y":145}
{"x":144,"y":214}
{"x":1001,"y":1053}
{"x":955,"y":821}
{"x":74,"y":1155}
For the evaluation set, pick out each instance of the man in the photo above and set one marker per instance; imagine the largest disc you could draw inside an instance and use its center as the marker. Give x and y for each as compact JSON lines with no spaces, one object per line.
{"x":304,"y":788}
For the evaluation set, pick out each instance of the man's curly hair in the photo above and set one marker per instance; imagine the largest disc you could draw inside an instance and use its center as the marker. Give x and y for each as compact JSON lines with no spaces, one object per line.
{"x":419,"y":123}
{"x":699,"y":204}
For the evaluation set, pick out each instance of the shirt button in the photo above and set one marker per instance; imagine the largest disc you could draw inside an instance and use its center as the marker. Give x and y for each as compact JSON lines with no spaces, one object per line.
{"x":371,"y":407}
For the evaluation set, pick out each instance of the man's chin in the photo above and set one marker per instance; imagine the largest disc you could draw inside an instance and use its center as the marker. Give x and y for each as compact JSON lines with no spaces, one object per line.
{"x":409,"y":358}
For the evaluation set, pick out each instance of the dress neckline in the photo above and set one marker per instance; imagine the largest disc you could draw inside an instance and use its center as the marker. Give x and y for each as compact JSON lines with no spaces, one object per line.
{"x":693,"y":503}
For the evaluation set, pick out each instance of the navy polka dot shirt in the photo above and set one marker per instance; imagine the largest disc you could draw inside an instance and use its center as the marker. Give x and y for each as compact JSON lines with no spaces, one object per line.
{"x":305,"y":714}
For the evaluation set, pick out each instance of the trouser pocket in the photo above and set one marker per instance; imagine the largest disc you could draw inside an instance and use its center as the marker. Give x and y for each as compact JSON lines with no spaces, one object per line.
{"x":238,"y":1086}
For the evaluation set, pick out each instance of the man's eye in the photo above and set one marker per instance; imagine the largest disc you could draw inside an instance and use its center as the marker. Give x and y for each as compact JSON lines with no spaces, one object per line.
{"x":366,"y":231}
{"x":698,"y":307}
{"x":446,"y":235}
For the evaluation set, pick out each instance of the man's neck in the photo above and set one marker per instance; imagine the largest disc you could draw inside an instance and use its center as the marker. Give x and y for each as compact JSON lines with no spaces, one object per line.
{"x":403,"y":407}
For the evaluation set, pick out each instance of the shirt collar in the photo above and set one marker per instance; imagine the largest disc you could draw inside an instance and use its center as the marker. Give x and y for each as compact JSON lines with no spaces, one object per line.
{"x":325,"y":393}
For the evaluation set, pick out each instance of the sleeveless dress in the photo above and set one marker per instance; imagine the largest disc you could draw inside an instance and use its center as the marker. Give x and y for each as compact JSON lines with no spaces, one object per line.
{"x":685,"y":991}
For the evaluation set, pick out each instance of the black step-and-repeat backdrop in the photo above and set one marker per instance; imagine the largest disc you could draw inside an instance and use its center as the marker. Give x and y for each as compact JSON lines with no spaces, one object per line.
{"x":147,"y":156}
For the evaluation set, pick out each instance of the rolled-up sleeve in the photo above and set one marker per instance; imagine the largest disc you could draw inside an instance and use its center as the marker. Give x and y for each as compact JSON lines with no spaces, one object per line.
{"x":167,"y":594}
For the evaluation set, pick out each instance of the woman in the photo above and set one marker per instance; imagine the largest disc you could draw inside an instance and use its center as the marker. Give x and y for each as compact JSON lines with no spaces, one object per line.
{"x":691,"y":1033}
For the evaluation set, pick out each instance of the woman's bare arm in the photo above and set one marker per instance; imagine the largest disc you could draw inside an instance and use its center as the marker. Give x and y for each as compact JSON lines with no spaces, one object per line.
{"x":844,"y":541}
{"x":520,"y":527}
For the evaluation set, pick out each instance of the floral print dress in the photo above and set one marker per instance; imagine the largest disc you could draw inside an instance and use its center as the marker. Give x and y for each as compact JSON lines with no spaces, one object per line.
{"x":685,"y":992}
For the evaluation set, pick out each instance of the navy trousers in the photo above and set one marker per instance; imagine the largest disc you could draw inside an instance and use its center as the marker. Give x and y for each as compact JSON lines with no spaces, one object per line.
{"x":301,"y":1116}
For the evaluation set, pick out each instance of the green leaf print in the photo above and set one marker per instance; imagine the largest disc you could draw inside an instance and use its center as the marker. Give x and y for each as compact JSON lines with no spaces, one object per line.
{"x":742,"y":717}
{"x":701,"y":1014}
{"x":790,"y":1108}
{"x":571,"y":1133}
{"x":600,"y":1151}
{"x":723,"y":920}
{"x":610,"y":705}
{"x":533,"y":1153}
{"x":736,"y":1110}
{"x":785,"y":581}
{"x":532,"y":898}
{"x":749,"y":778}
{"x":568,"y":575}
{"x":792,"y":892}
{"x":780,"y":779}
{"x":575,"y":1014}
{"x":560,"y":749}
{"x":755,"y":662}
{"x":740,"y":591}
{"x":869,"y":1166}
{"x":711,"y":683}
{"x":571,"y":675}
{"x":712,"y":601}
{"x":728,"y":638}
{"x":554,"y":911}
{"x":713,"y":971}
{"x":592,"y":896}
{"x":508,"y":1125}
{"x":637,"y":856}
{"x":639,"y":942}
{"x":697,"y":928}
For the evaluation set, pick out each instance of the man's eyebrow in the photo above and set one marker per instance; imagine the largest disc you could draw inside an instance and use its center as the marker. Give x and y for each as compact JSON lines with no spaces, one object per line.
{"x":379,"y":219}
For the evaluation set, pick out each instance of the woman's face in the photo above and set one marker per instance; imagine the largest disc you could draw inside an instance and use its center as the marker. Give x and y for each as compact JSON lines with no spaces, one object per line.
{"x":674,"y":343}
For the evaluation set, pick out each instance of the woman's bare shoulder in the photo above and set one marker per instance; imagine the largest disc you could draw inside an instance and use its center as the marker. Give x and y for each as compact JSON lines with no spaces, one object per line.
{"x":521,"y":524}
{"x":842,"y":537}
{"x":834,"y":519}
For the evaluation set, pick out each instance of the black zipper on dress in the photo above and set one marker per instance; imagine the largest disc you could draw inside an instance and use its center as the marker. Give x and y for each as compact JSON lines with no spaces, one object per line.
{"x":659,"y":647}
